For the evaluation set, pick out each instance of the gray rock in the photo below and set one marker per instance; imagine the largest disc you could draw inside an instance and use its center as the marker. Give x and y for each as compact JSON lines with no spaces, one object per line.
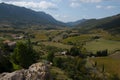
{"x":37,"y":71}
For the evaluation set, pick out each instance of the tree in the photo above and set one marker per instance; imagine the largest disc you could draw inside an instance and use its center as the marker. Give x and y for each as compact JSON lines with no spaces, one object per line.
{"x":102,"y":53}
{"x":5,"y":64}
{"x":57,"y":61}
{"x":24,"y":55}
{"x":50,"y":56}
{"x":74,"y":51}
{"x":5,"y":48}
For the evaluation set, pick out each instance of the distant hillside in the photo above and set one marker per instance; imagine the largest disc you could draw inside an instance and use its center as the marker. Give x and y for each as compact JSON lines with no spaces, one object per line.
{"x":111,"y":24}
{"x":20,"y":16}
{"x":72,"y":24}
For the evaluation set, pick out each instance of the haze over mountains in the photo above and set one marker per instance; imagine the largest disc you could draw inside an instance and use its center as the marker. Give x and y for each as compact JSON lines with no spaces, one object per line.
{"x":75,"y":23}
{"x":19,"y":16}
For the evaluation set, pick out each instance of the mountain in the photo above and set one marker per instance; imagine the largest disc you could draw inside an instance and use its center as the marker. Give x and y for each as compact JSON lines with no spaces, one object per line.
{"x":72,"y":24}
{"x":21,"y":16}
{"x":111,"y":24}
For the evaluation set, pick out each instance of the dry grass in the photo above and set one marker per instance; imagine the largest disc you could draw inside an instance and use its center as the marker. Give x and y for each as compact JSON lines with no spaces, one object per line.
{"x":111,"y":65}
{"x":58,"y":74}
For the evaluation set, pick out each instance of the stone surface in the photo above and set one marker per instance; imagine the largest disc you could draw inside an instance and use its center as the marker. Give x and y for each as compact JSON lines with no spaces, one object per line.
{"x":37,"y":71}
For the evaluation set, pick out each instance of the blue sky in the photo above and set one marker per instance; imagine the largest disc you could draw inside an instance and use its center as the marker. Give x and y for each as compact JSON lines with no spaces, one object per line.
{"x":71,"y":10}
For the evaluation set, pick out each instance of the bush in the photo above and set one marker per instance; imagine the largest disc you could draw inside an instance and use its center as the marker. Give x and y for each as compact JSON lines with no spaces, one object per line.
{"x":5,"y":48}
{"x":50,"y":56}
{"x":78,"y":51}
{"x":74,"y":51}
{"x":5,"y":64}
{"x":24,"y":55}
{"x":102,"y":53}
{"x":57,"y":61}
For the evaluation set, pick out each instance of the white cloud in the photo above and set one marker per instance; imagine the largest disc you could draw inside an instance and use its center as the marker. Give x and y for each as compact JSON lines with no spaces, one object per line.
{"x":110,"y":7}
{"x":105,"y":7}
{"x":98,"y":6}
{"x":58,"y":16}
{"x":87,"y":1}
{"x":46,"y":5}
{"x":56,"y":0}
{"x":10,"y":0}
{"x":35,"y":5}
{"x":90,"y":1}
{"x":74,"y":4}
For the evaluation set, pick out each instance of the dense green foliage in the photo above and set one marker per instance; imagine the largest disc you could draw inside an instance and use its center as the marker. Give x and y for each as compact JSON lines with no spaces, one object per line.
{"x":102,"y":53}
{"x":5,"y":48}
{"x":74,"y":51}
{"x":24,"y":55}
{"x":57,"y":61}
{"x":5,"y":64}
{"x":50,"y":56}
{"x":73,"y":67}
{"x":78,"y":51}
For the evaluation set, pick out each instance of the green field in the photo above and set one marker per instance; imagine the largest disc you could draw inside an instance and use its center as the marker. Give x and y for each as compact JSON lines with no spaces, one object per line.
{"x":102,"y":44}
{"x":53,"y":32}
{"x":59,"y":45}
{"x":111,"y":65}
{"x":78,"y":39}
{"x":40,"y":35}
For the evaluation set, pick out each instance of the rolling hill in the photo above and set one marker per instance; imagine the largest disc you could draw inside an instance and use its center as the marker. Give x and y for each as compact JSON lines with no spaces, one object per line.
{"x":20,"y":16}
{"x":111,"y":24}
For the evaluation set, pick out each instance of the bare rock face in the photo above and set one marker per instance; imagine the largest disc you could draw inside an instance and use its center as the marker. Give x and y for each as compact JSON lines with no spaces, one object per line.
{"x":37,"y":71}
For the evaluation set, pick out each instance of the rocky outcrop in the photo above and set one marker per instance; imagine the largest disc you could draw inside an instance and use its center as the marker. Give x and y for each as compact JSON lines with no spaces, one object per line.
{"x":37,"y":71}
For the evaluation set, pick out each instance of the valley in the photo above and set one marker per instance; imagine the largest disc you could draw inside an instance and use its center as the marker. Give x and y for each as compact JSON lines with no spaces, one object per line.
{"x":87,"y":49}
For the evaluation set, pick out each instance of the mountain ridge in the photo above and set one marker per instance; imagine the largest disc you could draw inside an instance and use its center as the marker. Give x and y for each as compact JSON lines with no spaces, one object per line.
{"x":21,"y":15}
{"x":15,"y":16}
{"x":111,"y":24}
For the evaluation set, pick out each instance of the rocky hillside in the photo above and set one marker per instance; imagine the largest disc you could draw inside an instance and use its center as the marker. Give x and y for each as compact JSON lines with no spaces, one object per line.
{"x":37,"y":71}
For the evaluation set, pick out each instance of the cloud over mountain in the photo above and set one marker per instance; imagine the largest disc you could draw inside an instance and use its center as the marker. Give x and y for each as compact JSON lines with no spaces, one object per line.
{"x":33,"y":4}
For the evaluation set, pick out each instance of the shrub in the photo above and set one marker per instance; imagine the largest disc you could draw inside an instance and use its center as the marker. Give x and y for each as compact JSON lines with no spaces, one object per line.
{"x":50,"y":56}
{"x":57,"y":61}
{"x":24,"y":55}
{"x":5,"y":64}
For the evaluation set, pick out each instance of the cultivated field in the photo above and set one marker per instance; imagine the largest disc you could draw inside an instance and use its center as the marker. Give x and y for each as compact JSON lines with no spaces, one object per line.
{"x":102,"y":44}
{"x":59,"y":45}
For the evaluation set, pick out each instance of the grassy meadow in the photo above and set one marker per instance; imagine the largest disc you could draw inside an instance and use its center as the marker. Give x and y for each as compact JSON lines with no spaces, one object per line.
{"x":59,"y":45}
{"x":111,"y":65}
{"x":77,"y":39}
{"x":102,"y":44}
